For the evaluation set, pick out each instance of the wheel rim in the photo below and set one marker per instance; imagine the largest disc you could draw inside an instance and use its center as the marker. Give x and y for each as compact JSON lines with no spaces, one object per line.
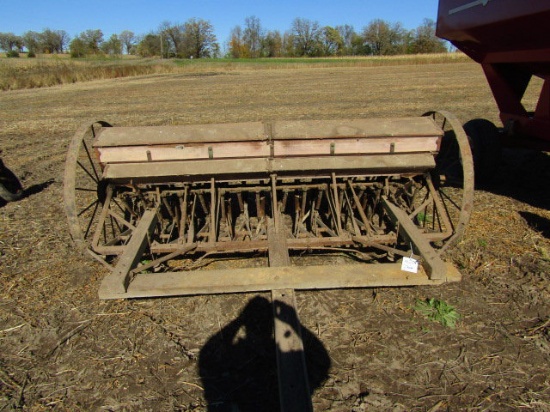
{"x":82,"y":182}
{"x":453,"y":176}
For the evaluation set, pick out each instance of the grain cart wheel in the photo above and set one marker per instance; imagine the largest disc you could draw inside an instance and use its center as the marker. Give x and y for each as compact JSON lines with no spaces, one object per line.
{"x":453,"y":176}
{"x":84,"y":189}
{"x":486,"y":148}
{"x":10,"y":187}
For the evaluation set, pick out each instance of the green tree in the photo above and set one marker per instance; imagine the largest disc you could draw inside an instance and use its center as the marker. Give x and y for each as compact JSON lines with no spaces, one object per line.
{"x":331,"y":42}
{"x":347,"y":33}
{"x":11,"y":42}
{"x":173,"y":35}
{"x":128,"y":39}
{"x":113,"y":46}
{"x":289,"y":45}
{"x":31,"y":40}
{"x":199,"y":39}
{"x":216,"y":51}
{"x":272,"y":44}
{"x":383,"y":38}
{"x":252,"y":36}
{"x":92,"y":39}
{"x":61,"y":40}
{"x":78,"y":48}
{"x":149,"y":46}
{"x":88,"y":42}
{"x":306,"y":36}
{"x":358,"y":46}
{"x":53,"y":41}
{"x":424,"y":39}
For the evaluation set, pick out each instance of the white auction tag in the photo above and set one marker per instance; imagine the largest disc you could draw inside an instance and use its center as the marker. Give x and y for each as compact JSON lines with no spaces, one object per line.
{"x":409,"y":265}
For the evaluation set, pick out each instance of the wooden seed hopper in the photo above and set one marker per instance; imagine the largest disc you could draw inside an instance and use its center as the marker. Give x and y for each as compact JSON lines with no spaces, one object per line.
{"x":166,"y":208}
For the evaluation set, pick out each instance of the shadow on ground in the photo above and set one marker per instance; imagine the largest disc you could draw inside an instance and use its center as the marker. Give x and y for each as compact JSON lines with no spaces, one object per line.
{"x":30,"y":191}
{"x":537,"y":223}
{"x":523,"y":175}
{"x":238,"y":364}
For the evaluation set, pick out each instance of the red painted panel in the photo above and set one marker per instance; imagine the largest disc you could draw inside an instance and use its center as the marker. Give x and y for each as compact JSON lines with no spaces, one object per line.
{"x":510,"y":39}
{"x":481,"y":26}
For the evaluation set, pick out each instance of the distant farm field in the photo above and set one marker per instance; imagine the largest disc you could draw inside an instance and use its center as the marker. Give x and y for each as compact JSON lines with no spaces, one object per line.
{"x":63,"y":349}
{"x":50,"y":70}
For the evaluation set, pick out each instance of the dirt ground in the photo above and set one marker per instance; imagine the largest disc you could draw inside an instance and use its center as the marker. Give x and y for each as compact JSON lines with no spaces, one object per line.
{"x":368,"y":350}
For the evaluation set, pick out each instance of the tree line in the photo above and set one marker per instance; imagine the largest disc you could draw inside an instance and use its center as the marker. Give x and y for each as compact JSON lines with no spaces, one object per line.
{"x":309,"y":38}
{"x":196,"y":39}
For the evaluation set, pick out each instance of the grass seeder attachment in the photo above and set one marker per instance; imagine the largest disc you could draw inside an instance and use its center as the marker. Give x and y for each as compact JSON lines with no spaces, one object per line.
{"x":308,"y":204}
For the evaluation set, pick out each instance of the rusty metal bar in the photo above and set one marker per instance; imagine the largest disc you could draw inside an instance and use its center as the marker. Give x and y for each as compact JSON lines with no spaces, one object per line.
{"x":213,"y":204}
{"x":360,"y":209}
{"x":191,"y":231}
{"x":336,"y":202}
{"x":183,"y":206}
{"x":274,"y":203}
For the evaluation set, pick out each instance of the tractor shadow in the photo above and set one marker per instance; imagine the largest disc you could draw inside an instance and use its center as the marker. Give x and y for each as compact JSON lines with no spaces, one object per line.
{"x":238,"y":365}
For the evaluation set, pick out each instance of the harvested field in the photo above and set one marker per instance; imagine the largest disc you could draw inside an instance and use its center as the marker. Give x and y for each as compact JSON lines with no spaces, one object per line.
{"x":369,"y":350}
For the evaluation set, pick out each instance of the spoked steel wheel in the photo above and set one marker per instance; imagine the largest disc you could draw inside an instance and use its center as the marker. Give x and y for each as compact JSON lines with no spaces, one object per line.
{"x":453,"y":176}
{"x":84,"y":190}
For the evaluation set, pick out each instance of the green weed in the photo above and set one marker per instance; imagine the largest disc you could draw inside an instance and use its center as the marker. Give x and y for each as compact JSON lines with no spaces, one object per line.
{"x":437,"y":311}
{"x":424,"y":218}
{"x":142,"y":263}
{"x":482,"y":243}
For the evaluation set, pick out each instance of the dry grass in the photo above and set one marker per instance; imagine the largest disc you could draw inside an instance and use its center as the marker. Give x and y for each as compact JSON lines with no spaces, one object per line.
{"x":48,"y":70}
{"x":34,"y":73}
{"x":216,"y":96}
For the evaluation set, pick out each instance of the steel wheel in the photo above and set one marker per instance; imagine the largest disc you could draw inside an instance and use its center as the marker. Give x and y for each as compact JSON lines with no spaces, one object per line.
{"x":453,"y":177}
{"x":486,"y":148}
{"x":84,"y":189}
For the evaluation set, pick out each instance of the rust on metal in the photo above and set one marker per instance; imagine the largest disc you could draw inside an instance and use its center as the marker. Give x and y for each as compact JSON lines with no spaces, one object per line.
{"x":144,"y":200}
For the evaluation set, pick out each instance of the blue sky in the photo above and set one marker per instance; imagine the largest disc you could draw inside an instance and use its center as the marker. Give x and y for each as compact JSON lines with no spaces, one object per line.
{"x":144,"y":16}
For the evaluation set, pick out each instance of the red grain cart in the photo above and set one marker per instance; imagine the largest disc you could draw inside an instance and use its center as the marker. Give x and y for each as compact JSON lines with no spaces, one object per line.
{"x":509,"y":38}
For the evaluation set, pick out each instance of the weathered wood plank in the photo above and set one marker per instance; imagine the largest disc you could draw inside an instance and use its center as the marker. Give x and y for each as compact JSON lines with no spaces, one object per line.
{"x":279,"y":130}
{"x":434,"y":265}
{"x":382,"y":163}
{"x":277,"y":245}
{"x":175,"y":169}
{"x":345,"y":146}
{"x":117,"y":281}
{"x":375,"y":127}
{"x":387,"y":163}
{"x":151,"y":135}
{"x":294,"y":392}
{"x":183,"y":152}
{"x":281,"y":148}
{"x":287,"y":277}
